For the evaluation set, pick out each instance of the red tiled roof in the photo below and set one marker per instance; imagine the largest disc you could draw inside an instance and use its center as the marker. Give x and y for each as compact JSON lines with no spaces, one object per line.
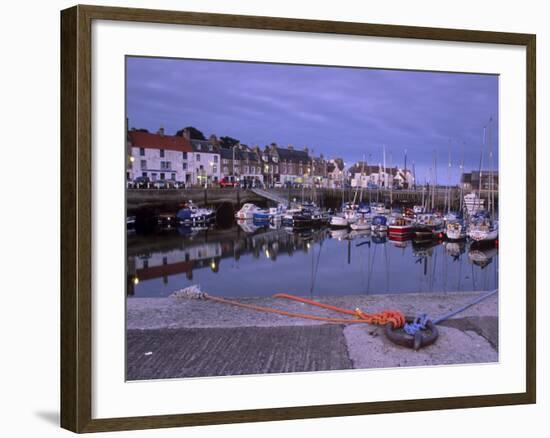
{"x":141,"y":139}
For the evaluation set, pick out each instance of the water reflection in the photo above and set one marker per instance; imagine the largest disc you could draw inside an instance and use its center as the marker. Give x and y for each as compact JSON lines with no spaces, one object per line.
{"x":246,"y":260}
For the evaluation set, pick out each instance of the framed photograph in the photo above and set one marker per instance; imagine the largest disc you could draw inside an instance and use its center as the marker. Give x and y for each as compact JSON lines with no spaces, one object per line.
{"x":269,"y":218}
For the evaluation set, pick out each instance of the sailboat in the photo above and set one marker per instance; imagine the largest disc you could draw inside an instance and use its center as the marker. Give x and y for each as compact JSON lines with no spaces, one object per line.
{"x":482,"y":228}
{"x":455,"y":230}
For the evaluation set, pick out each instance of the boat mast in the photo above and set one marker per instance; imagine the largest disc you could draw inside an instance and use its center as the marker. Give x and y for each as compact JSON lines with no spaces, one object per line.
{"x":481,"y":167}
{"x":362,"y":176}
{"x":448,"y":201}
{"x":384,"y":171}
{"x":391,"y":181}
{"x":414,"y":177}
{"x":491,"y":186}
{"x":461,"y":173}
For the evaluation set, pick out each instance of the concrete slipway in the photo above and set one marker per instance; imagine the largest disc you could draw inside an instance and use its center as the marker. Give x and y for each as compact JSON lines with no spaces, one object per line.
{"x":175,"y":337}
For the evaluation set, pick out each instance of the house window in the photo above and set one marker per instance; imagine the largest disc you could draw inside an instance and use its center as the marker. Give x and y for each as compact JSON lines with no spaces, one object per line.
{"x":162,"y":175}
{"x":144,"y":164}
{"x":215,"y":169}
{"x":215,"y":158}
{"x":142,"y":152}
{"x":165,"y":165}
{"x":184,"y":155}
{"x":198,"y":157}
{"x":276,"y":169}
{"x":154,"y":176}
{"x":173,"y":177}
{"x":209,"y":147}
{"x":162,"y":153}
{"x":184,"y":166}
{"x":144,"y":174}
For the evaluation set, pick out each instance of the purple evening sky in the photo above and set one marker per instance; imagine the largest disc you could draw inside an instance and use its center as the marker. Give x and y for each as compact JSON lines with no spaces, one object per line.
{"x":336,"y":111}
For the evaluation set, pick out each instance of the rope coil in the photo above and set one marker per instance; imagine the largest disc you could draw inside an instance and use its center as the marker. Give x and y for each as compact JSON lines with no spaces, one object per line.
{"x":393,"y":317}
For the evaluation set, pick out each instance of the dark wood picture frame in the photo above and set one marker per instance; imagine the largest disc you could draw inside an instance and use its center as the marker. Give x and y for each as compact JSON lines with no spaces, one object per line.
{"x":76,"y":243}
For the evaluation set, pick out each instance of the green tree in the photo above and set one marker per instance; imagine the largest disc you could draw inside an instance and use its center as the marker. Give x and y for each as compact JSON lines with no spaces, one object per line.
{"x":195,"y":134}
{"x":228,"y":142}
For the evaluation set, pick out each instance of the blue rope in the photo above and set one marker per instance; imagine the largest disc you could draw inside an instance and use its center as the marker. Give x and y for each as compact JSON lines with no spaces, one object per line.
{"x":420,"y":322}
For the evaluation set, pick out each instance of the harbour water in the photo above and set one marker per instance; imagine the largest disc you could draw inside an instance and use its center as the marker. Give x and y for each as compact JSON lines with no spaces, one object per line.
{"x":246,"y":261}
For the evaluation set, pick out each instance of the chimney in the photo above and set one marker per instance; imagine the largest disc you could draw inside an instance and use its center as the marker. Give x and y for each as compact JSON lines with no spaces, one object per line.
{"x":160,"y":131}
{"x":213,"y":139}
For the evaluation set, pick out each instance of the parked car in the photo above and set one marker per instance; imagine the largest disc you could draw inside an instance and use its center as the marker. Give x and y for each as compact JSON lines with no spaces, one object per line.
{"x":142,"y":182}
{"x":229,"y":181}
{"x":278,"y":185}
{"x":162,"y":184}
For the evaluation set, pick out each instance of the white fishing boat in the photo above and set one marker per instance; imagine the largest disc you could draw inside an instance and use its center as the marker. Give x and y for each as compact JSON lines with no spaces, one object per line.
{"x":473,"y":203}
{"x":339,"y":221}
{"x":483,"y":229}
{"x":455,"y":230}
{"x":273,"y":214}
{"x":247,"y":212}
{"x":427,"y":226}
{"x":361,"y":224}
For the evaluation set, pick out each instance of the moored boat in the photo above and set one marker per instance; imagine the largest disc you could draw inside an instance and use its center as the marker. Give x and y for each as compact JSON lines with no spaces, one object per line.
{"x":428,"y":226}
{"x":361,"y":224}
{"x":307,"y":216}
{"x":400,"y":226}
{"x":269,"y":215}
{"x":482,"y":228}
{"x":455,"y":230}
{"x":247,"y":212}
{"x":190,"y":215}
{"x":339,"y":221}
{"x":379,"y":223}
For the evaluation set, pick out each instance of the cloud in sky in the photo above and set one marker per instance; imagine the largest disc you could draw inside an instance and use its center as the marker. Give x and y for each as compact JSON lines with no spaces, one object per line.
{"x":336,"y":111}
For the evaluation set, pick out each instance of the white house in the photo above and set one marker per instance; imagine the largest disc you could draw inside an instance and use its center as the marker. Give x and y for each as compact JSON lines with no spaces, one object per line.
{"x":336,"y":173}
{"x":158,"y":156}
{"x":363,"y":175}
{"x":205,"y":162}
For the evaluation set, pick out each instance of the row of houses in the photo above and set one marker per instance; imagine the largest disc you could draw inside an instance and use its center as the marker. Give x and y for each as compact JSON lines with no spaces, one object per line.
{"x":205,"y":162}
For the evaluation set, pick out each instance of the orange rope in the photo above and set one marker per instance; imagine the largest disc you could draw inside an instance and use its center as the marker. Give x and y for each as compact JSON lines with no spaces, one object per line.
{"x":396,"y":318}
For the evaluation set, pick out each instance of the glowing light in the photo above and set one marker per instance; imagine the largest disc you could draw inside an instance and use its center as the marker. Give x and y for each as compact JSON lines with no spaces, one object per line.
{"x":136,"y":280}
